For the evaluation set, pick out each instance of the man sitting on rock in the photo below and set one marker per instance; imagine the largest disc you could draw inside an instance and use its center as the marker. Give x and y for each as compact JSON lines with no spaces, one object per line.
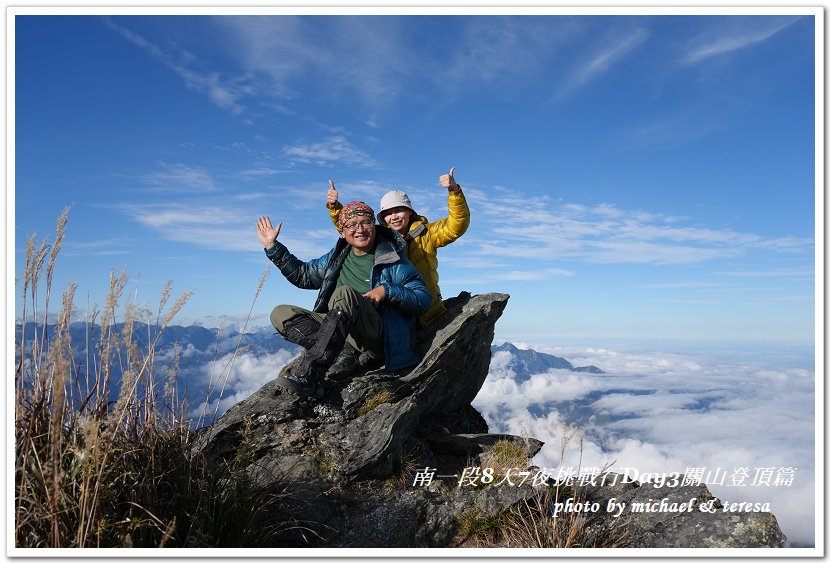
{"x":369,"y":294}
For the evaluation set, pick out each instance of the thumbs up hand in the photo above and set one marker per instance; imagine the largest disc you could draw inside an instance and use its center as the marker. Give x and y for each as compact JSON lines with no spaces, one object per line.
{"x":448,"y":181}
{"x":331,"y":196}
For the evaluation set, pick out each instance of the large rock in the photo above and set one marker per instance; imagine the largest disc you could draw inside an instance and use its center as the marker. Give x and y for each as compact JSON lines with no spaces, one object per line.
{"x":432,"y":399}
{"x":352,"y":457}
{"x":686,"y":516}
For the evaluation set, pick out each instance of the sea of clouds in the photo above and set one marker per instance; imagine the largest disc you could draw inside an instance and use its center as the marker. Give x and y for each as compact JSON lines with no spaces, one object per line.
{"x":650,"y":412}
{"x":234,"y":377}
{"x":663,"y":412}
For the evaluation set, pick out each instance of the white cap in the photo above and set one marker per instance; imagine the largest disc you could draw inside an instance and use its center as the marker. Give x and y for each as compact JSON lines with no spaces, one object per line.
{"x":394,"y":198}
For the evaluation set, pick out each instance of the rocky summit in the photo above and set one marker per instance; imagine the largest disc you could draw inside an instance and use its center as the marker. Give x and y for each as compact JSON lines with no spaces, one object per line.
{"x":378,"y":461}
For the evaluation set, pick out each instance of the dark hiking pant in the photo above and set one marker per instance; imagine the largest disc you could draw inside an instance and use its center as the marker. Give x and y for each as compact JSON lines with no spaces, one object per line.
{"x":366,"y":327}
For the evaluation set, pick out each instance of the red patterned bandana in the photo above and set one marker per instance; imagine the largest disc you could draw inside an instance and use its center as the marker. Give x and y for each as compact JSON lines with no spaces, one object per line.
{"x":355,"y":209}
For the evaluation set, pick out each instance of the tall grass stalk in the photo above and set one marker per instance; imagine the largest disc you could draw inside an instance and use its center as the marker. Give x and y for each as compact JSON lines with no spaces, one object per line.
{"x":226,"y":371}
{"x":91,"y":471}
{"x":533,"y":523}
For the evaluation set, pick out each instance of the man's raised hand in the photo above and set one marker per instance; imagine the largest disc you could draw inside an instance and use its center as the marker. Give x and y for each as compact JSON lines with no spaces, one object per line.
{"x":331,"y":197}
{"x":447,"y":180}
{"x":266,"y":232}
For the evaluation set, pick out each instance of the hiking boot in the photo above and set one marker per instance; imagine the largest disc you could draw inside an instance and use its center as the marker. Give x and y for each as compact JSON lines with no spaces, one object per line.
{"x":345,"y":364}
{"x":302,"y":330}
{"x":308,"y":377}
{"x":300,"y":386}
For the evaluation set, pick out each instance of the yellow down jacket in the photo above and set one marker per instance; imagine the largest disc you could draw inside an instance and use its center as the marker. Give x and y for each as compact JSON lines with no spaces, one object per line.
{"x":424,"y":240}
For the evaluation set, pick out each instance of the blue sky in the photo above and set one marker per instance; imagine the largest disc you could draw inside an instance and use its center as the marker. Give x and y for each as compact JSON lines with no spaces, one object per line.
{"x":631,"y":176}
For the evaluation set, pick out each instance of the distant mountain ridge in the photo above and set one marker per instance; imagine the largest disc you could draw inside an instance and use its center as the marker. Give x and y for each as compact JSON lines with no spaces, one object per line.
{"x":528,"y":362}
{"x":203,"y":340}
{"x":216,"y":341}
{"x":201,"y":346}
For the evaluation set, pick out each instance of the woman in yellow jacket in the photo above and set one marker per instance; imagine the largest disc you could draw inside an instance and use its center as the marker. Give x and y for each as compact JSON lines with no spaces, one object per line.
{"x":422,"y":237}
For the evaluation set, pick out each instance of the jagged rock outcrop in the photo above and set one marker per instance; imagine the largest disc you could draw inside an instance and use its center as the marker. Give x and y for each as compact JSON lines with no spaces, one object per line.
{"x":430,"y":403}
{"x":352,"y":456}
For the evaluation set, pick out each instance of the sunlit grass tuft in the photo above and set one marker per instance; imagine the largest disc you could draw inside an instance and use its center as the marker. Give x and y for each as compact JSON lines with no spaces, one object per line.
{"x":91,"y":471}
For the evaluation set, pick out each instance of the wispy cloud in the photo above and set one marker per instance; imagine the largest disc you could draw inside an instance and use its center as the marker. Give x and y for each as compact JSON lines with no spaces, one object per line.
{"x":107,"y":247}
{"x":233,"y":320}
{"x":370,"y":59}
{"x":215,"y":227}
{"x":528,"y":275}
{"x":334,"y":150}
{"x":361,"y":55}
{"x":495,"y":271}
{"x":684,"y":126}
{"x":261,"y":172}
{"x":224,"y":91}
{"x":608,"y":234}
{"x":313,"y":196}
{"x":603,"y":61}
{"x":796,"y":272}
{"x":219,"y":227}
{"x":686,"y":285}
{"x":737,"y":34}
{"x":179,"y":177}
{"x":804,"y":298}
{"x":488,"y":49}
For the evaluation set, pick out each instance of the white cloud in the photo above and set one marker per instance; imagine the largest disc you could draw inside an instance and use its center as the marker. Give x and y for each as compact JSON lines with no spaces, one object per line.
{"x":105,"y":247}
{"x":735,"y":35}
{"x":236,"y":378}
{"x":335,"y":149}
{"x":683,"y":126}
{"x":210,"y":226}
{"x":686,"y":285}
{"x":219,"y":227}
{"x":603,"y":233}
{"x":314,"y":196}
{"x":663,"y":412}
{"x":527,"y":275}
{"x":358,"y":54}
{"x":224,"y":91}
{"x":180,"y":177}
{"x":601,"y":62}
{"x":796,"y":272}
{"x":489,"y":48}
{"x":655,"y":412}
{"x":260,"y":172}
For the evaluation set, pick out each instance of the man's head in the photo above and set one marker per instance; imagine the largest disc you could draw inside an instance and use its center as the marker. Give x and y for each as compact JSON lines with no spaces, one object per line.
{"x":396,"y":211}
{"x":357,"y":222}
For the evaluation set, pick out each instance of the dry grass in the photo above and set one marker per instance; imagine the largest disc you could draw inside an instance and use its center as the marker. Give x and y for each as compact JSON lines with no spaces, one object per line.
{"x":534,"y":523}
{"x":481,"y":529}
{"x":379,"y":398}
{"x":503,"y":456}
{"x":401,"y":477}
{"x":93,"y":472}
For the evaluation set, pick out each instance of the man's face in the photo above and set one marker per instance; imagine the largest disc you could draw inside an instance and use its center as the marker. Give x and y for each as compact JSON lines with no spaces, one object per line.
{"x":359,"y":232}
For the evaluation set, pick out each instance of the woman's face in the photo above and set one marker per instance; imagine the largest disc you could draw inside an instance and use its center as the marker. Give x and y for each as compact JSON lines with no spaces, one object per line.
{"x":397,"y":219}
